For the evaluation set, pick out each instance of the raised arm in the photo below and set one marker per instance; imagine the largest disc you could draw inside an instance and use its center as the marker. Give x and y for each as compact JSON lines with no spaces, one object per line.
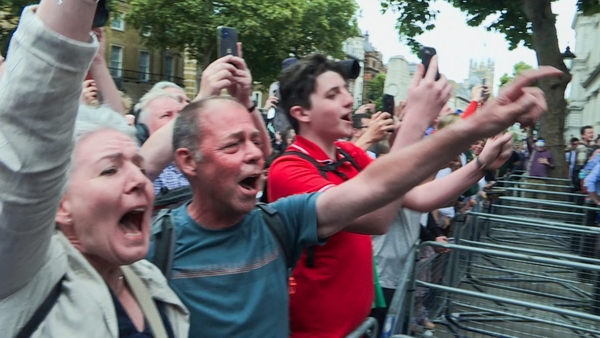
{"x":50,"y":53}
{"x":495,"y":153}
{"x":107,"y":89}
{"x":219,"y":75}
{"x":398,"y":172}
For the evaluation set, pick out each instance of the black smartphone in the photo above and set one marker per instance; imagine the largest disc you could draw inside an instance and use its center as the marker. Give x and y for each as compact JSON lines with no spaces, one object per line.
{"x":388,"y":104}
{"x":483,"y":94}
{"x":101,"y":15}
{"x":227,"y":39}
{"x":426,"y":53}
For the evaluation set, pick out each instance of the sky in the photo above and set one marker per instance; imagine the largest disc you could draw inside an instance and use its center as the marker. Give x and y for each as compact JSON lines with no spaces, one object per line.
{"x":455,"y":42}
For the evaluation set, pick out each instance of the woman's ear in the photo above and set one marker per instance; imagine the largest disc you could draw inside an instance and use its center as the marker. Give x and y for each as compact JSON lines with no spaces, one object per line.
{"x":63,"y":216}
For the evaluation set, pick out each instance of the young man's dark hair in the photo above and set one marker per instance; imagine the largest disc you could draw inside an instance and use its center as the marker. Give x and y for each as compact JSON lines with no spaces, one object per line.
{"x":298,"y":82}
{"x":573,"y":140}
{"x":357,"y":120}
{"x":584,"y":128}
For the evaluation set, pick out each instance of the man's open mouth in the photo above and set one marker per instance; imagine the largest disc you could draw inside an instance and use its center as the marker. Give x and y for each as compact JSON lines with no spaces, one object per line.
{"x":250,"y":183}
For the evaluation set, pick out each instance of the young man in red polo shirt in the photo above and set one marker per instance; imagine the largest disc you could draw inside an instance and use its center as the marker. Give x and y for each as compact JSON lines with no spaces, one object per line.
{"x":334,"y":283}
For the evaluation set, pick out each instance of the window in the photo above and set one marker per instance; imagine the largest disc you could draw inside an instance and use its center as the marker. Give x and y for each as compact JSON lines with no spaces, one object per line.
{"x":118,"y":22}
{"x":144,"y":66}
{"x":169,"y":68}
{"x":116,"y":61}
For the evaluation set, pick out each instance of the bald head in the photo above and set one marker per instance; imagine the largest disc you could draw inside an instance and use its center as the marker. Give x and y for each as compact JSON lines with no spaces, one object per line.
{"x":191,"y":123}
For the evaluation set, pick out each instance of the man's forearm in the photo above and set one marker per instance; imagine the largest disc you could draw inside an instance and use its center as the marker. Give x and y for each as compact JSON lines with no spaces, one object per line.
{"x":412,"y":130}
{"x":265,"y":141}
{"x":391,"y":176}
{"x":446,"y":189}
{"x":106,"y":87}
{"x":364,"y":142}
{"x":158,"y":151}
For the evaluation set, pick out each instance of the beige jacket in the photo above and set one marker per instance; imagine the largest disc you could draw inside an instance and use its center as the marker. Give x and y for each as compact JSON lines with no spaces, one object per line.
{"x":39,"y":98}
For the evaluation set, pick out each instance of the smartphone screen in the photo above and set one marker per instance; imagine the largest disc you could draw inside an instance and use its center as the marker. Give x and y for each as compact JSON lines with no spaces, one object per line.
{"x":227,"y":39}
{"x":388,"y":103}
{"x":426,"y":53}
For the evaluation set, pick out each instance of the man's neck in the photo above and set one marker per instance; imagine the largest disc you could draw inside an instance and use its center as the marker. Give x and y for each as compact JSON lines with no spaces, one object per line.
{"x":586,"y":142}
{"x":210,"y":216}
{"x":327,"y":145}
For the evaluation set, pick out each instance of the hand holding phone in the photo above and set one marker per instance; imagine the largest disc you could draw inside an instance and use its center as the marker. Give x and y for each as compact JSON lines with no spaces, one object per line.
{"x":388,"y":103}
{"x":426,"y":54}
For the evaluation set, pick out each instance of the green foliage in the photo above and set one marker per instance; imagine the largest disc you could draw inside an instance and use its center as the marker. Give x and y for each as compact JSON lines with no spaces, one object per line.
{"x":416,"y":16}
{"x":270,"y":30}
{"x":375,"y":90}
{"x":517,"y":69}
{"x":10,"y":10}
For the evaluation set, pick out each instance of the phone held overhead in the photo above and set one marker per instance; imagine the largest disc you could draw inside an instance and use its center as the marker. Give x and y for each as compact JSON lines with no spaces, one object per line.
{"x":227,"y":39}
{"x":426,"y":54}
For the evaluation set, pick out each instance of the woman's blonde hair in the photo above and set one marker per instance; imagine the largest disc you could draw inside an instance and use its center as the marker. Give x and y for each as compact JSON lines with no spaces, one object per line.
{"x":447,"y":120}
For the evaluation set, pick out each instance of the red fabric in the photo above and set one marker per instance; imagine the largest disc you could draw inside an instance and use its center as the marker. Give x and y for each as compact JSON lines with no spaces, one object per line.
{"x":335,"y":296}
{"x":471,"y":109}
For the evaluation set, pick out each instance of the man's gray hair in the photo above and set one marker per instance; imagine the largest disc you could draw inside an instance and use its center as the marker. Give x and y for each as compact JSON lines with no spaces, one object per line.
{"x":187,"y":131}
{"x":141,"y":108}
{"x":164,"y":85}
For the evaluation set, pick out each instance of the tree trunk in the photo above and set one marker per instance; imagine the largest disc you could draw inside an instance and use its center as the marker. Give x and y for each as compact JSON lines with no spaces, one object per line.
{"x":545,"y":43}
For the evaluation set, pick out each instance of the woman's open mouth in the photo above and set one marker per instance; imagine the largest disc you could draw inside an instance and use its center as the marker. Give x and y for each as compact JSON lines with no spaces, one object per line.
{"x":131,"y":222}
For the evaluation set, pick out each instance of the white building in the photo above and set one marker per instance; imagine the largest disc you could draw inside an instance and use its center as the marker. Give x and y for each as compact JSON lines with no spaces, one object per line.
{"x":584,"y":104}
{"x":398,"y":79}
{"x":354,"y":48}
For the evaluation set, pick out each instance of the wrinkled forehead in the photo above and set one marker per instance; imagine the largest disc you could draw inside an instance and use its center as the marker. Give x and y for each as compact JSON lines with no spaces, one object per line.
{"x":163,"y":104}
{"x":105,"y":143}
{"x":224,"y":117}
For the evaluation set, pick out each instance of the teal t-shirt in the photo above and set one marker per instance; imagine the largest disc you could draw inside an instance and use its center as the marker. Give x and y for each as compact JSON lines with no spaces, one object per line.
{"x":234,"y":281}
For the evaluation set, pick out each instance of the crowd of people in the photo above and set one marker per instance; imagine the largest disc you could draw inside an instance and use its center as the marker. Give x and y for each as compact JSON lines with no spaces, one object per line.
{"x":349,"y":192}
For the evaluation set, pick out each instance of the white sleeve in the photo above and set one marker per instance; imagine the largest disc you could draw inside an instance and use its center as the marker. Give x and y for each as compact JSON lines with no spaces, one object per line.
{"x":39,"y":98}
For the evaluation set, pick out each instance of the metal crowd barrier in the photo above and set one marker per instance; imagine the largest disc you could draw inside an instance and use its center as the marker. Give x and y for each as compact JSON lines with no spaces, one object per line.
{"x":506,"y":293}
{"x":526,"y":268}
{"x":368,"y":329}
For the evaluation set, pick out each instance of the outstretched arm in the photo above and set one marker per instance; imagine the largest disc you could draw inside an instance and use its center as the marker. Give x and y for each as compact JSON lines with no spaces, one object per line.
{"x":50,"y":53}
{"x":396,"y":173}
{"x":446,"y":189}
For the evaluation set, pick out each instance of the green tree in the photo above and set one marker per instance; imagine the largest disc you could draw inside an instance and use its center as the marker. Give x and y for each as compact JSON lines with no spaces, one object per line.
{"x":375,"y":90}
{"x":529,"y":22}
{"x":270,"y":30}
{"x":10,"y":10}
{"x":517,"y":69}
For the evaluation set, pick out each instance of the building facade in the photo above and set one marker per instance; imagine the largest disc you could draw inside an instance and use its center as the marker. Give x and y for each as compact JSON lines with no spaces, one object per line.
{"x":134,"y":67}
{"x":398,"y":79}
{"x":373,"y":65}
{"x":354,"y":48}
{"x":480,"y":73}
{"x":584,"y":104}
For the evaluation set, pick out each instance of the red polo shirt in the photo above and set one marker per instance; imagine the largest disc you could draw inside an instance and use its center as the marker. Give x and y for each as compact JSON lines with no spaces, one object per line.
{"x":336,"y":295}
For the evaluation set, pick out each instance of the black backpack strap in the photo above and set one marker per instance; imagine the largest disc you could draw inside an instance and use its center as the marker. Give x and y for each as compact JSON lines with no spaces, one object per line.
{"x":279,"y":232}
{"x":42,"y":312}
{"x":172,"y":198}
{"x":324,"y":169}
{"x":349,"y":158}
{"x":164,"y":242}
{"x":319,"y":166}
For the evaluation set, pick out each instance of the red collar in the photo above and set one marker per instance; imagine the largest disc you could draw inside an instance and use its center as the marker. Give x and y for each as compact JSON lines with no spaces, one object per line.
{"x":308,"y":147}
